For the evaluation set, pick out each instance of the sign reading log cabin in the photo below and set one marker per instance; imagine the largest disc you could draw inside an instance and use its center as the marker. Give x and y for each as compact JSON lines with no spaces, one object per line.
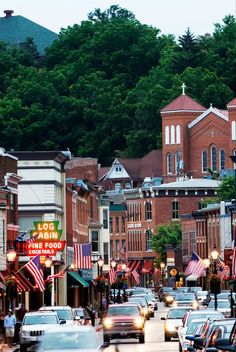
{"x":45,"y":239}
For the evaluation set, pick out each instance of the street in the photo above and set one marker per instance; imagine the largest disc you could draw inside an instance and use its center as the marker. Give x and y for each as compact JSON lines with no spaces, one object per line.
{"x":154,"y":337}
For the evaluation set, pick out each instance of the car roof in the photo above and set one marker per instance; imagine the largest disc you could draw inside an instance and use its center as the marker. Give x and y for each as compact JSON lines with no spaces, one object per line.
{"x":72,"y":328}
{"x":54,"y":307}
{"x":182,"y":307}
{"x":123,"y":304}
{"x":50,"y":312}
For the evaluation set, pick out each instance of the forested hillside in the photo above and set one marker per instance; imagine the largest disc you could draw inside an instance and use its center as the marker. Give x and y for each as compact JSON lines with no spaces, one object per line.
{"x":101,"y":85}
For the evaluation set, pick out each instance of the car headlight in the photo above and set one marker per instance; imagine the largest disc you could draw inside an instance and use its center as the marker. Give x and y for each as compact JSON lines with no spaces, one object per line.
{"x":169,"y":299}
{"x":145,"y":311}
{"x":107,"y":323}
{"x":170,"y":327}
{"x":138,"y":322}
{"x":25,"y":333}
{"x":175,"y":304}
{"x":195,"y":305}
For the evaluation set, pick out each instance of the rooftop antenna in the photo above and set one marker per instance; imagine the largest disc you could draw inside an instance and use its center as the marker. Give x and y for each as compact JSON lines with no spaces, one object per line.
{"x":183,"y":88}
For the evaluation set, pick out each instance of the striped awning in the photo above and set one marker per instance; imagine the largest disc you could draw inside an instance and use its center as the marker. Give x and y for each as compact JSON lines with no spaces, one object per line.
{"x":134,"y":265}
{"x":147,"y":267}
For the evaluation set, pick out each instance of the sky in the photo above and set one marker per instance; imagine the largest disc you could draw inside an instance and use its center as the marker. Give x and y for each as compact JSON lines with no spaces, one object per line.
{"x":170,"y":16}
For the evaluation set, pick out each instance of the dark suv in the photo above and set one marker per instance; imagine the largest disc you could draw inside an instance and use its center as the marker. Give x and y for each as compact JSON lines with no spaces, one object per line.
{"x":227,"y":344}
{"x":124,"y":321}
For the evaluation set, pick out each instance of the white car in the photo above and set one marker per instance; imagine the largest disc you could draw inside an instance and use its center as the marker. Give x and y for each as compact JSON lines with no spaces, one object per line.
{"x":64,"y":313}
{"x":34,"y":326}
{"x":223,"y":306}
{"x":173,"y":320}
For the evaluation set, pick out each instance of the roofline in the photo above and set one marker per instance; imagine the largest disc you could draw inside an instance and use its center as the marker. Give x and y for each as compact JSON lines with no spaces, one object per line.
{"x":231,"y":106}
{"x":208,"y":111}
{"x":172,"y":111}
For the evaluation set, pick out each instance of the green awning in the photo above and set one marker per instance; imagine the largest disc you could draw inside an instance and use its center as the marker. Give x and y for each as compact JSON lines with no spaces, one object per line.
{"x":78,"y":278}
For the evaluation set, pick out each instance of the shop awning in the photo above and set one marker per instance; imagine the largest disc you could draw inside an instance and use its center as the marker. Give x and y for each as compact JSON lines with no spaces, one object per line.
{"x":147,"y":267}
{"x":78,"y":278}
{"x":134,"y":264}
{"x":192,"y":277}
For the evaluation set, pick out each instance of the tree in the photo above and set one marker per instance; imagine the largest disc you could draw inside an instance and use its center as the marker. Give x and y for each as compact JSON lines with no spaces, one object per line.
{"x":166,"y":234}
{"x":226,"y":189}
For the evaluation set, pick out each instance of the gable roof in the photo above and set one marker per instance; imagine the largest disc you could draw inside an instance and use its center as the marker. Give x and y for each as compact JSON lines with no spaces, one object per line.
{"x":14,"y":30}
{"x":232,"y":103}
{"x":222,"y":114}
{"x":183,"y":103}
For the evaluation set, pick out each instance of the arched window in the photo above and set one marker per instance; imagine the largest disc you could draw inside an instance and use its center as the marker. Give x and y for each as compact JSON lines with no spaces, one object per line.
{"x":172,"y":134}
{"x":222,"y":159}
{"x":213,"y":158}
{"x":167,"y":135}
{"x":169,"y":164}
{"x":233,"y":130}
{"x":178,"y":134}
{"x":204,"y":161}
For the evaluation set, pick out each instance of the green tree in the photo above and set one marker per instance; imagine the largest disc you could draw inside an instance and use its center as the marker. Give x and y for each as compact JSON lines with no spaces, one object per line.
{"x":166,"y":234}
{"x":226,"y":189}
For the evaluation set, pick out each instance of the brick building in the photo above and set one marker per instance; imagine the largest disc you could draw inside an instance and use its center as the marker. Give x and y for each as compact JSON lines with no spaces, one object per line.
{"x":196,"y":139}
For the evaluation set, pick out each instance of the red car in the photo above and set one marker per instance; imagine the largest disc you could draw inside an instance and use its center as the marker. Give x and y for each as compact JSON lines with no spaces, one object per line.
{"x":124,"y":321}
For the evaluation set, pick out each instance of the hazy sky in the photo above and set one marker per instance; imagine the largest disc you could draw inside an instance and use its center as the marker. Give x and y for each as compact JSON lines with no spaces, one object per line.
{"x":170,"y":16}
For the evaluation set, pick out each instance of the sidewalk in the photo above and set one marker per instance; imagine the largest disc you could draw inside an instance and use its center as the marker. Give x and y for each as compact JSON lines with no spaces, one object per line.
{"x":5,"y":348}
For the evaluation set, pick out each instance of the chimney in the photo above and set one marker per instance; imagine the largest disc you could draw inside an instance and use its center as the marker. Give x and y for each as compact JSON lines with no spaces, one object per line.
{"x":8,"y":13}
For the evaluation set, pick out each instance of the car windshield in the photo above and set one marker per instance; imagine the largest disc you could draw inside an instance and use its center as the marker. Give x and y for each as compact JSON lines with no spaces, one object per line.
{"x":220,"y":304}
{"x":64,"y":314}
{"x":139,"y":300}
{"x":185,"y":297}
{"x":79,"y":312}
{"x":201,"y":314}
{"x":78,"y":340}
{"x":193,"y":326}
{"x":124,"y":310}
{"x":40,"y":319}
{"x":176,"y":313}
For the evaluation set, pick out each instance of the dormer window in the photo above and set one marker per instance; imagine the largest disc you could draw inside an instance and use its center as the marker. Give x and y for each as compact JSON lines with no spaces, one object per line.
{"x":118,"y":168}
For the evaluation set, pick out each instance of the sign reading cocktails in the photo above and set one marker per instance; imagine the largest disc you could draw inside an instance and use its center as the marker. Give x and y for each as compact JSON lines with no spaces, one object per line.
{"x":45,"y":239}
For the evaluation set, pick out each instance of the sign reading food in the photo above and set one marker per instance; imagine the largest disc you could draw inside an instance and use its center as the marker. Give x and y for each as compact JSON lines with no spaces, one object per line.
{"x":45,"y":239}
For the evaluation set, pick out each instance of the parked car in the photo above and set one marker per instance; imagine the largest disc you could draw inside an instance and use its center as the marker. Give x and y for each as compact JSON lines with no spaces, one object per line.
{"x":71,"y":338}
{"x":194,"y":329}
{"x":64,"y":313}
{"x":220,"y":331}
{"x":34,"y":325}
{"x":229,"y":344}
{"x":124,"y":321}
{"x":173,"y":320}
{"x":82,"y":316}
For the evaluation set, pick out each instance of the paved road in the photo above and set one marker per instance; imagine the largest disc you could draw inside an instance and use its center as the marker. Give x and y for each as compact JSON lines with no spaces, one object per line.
{"x":154,"y":338}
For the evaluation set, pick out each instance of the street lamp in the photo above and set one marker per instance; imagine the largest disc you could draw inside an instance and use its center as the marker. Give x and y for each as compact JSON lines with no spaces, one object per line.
{"x":162,"y":266}
{"x":48,"y":262}
{"x":113,"y":265}
{"x":215,"y":282}
{"x":11,"y":287}
{"x":100,"y":265}
{"x":11,"y":256}
{"x":124,"y":284}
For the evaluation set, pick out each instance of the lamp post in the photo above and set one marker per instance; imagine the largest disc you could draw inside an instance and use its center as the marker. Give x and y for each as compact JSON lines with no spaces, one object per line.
{"x":215,"y":288}
{"x":49,"y":291}
{"x":113,"y":265}
{"x":162,"y":265}
{"x":100,"y":265}
{"x":206,"y":263}
{"x":124,"y":284}
{"x":233,"y":238}
{"x":11,"y":288}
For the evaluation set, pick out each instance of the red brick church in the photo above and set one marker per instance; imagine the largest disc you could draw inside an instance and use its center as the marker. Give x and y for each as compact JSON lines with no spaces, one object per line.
{"x":196,"y":139}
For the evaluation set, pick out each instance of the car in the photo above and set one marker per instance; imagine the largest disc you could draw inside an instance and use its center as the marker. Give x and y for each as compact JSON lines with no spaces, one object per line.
{"x":201,"y":296}
{"x":219,"y":331}
{"x":195,"y":314}
{"x":229,"y":344}
{"x":71,"y":338}
{"x":223,"y":306}
{"x":169,"y":298}
{"x":186,"y":299}
{"x":162,"y":291}
{"x":149,"y":301}
{"x":34,"y":325}
{"x":124,"y":321}
{"x":143,"y":303}
{"x":194,"y":329}
{"x":173,"y":320}
{"x":82,"y":316}
{"x":64,"y":313}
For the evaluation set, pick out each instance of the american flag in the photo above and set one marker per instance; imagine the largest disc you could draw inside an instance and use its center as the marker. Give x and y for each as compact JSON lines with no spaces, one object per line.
{"x":223,"y":269}
{"x":112,"y":276}
{"x":34,"y":267}
{"x":59,"y":275}
{"x":195,"y":266}
{"x":124,"y":252}
{"x":32,"y":239}
{"x":136,"y":276}
{"x":119,"y":268}
{"x":234,"y":262}
{"x":82,"y":256}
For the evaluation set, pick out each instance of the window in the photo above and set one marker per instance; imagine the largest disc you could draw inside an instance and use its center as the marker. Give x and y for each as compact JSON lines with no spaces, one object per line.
{"x":111,"y":249}
{"x":105,"y":253}
{"x":116,"y":225}
{"x":117,"y":248}
{"x":204,"y":161}
{"x":95,"y":241}
{"x":12,"y":208}
{"x":111,"y":224}
{"x":222,"y":159}
{"x":105,"y":219}
{"x":127,"y":185}
{"x":234,"y":153}
{"x":148,"y":240}
{"x":118,"y":168}
{"x":167,"y":135}
{"x":178,"y":134}
{"x":213,"y":158}
{"x":148,"y":211}
{"x":175,"y":210}
{"x":117,"y":187}
{"x":233,"y":127}
{"x":172,"y":134}
{"x":123,"y":224}
{"x":169,"y":164}
{"x":184,"y":243}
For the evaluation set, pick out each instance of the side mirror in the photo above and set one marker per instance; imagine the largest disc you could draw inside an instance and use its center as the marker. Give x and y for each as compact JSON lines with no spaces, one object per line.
{"x":189,"y":337}
{"x":163,"y":318}
{"x":198,"y":342}
{"x":77,"y":317}
{"x":62,"y":322}
{"x":190,"y":349}
{"x":224,"y":344}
